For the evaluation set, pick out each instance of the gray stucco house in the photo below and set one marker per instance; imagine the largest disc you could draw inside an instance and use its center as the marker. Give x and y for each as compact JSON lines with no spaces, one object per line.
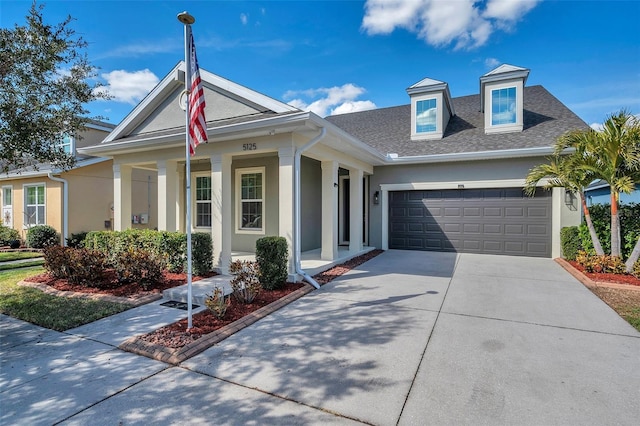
{"x":439,"y":173}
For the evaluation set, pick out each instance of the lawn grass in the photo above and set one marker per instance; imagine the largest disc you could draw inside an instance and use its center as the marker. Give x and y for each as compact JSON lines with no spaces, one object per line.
{"x":625,"y":302}
{"x":45,"y":310}
{"x":8,"y":256}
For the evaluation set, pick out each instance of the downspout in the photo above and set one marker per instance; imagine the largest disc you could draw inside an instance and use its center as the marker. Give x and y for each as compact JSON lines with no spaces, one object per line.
{"x":296,"y":207}
{"x":65,"y":206}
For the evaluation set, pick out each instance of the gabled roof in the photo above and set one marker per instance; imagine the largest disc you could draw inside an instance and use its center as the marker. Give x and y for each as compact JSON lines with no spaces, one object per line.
{"x":506,"y":68}
{"x":159,"y":112}
{"x":388,"y":130}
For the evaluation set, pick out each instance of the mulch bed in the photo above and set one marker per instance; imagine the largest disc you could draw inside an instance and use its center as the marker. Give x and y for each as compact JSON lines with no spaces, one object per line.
{"x":110,"y":285}
{"x":607,"y":278}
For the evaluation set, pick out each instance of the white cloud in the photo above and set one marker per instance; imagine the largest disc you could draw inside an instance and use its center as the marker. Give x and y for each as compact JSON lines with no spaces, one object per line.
{"x":596,"y":126}
{"x":142,"y":49}
{"x":330,"y":101}
{"x":129,"y":87}
{"x":466,"y":23}
{"x":244,"y":18}
{"x":491,"y":63}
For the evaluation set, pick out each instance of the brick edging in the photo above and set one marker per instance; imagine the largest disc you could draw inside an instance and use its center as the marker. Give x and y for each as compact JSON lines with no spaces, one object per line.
{"x":588,"y":282}
{"x":131,"y":301}
{"x":177,"y":355}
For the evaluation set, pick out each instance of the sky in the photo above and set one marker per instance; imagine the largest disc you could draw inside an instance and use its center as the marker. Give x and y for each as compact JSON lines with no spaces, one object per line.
{"x":334,"y":57}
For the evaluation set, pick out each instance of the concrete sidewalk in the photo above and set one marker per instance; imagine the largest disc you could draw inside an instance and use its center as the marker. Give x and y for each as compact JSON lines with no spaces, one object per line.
{"x":407,"y":338}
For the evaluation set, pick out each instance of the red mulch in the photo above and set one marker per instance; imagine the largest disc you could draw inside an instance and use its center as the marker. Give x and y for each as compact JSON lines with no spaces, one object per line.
{"x":176,"y":336}
{"x":111,"y":286}
{"x":609,"y":278}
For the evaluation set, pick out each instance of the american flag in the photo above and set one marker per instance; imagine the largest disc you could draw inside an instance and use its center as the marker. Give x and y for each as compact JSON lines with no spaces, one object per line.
{"x":197,"y":121}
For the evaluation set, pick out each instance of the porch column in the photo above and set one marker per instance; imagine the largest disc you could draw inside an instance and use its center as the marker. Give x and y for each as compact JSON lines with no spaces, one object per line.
{"x":167,"y":195}
{"x":356,"y":215}
{"x":285,"y":199}
{"x":121,"y":197}
{"x":221,"y":211}
{"x":329,"y":210}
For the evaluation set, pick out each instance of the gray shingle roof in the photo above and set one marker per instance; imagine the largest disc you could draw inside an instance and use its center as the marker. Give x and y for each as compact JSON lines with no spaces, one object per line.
{"x":389,"y":129}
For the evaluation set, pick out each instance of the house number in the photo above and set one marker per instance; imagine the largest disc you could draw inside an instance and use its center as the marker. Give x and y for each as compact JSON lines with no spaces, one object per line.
{"x":249,"y":147}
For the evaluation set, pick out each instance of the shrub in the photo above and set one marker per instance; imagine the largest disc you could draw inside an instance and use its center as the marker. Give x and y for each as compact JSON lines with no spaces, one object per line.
{"x":14,"y":244}
{"x":76,"y":240}
{"x":245,"y":282}
{"x":629,"y":215}
{"x":272,"y":257}
{"x":174,"y":245}
{"x":217,"y":303}
{"x":41,"y":236}
{"x":77,"y":265}
{"x":141,"y":266}
{"x":571,"y":242}
{"x":201,"y":253}
{"x":636,"y":269}
{"x":8,"y":236}
{"x":601,"y":264}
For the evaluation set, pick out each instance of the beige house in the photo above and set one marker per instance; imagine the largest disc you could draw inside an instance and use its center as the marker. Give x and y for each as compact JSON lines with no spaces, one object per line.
{"x":439,"y":173}
{"x":77,"y":200}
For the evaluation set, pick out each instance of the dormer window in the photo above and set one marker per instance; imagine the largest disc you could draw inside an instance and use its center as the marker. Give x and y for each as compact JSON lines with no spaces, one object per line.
{"x":426,"y":113}
{"x":501,"y":99}
{"x":503,"y":106}
{"x":431,"y":109}
{"x":67,"y":144}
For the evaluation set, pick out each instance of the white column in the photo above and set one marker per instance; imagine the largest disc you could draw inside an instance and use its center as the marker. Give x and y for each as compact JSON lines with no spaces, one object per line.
{"x":285,"y":199}
{"x":221,"y":211}
{"x":329,"y":210}
{"x":121,"y":197}
{"x":167,"y":195}
{"x":356,"y":217}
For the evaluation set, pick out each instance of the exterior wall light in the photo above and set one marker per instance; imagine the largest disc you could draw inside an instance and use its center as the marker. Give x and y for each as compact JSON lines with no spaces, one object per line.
{"x":376,"y":197}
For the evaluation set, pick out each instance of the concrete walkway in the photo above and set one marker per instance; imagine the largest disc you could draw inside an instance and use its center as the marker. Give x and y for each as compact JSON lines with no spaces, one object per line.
{"x":407,"y":338}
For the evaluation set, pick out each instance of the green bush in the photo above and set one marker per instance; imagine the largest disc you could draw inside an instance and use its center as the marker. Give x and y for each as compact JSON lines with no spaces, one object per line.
{"x":172,"y":246}
{"x":141,"y":266}
{"x":571,"y":242}
{"x":76,"y":240}
{"x":272,"y":258}
{"x":41,"y":236}
{"x":629,"y":215}
{"x":8,"y":235}
{"x":77,"y":265}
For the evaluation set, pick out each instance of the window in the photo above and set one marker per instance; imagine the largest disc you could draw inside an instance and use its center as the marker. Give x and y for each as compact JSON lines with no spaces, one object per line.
{"x":34,"y":205}
{"x":203,"y":201}
{"x":7,"y":206}
{"x":67,"y":144}
{"x":250,"y":193}
{"x":503,"y":106}
{"x":426,"y":116}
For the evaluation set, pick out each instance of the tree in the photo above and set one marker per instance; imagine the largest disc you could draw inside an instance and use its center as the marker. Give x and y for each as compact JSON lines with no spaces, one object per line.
{"x":566,"y":171}
{"x":614,"y":154}
{"x":44,"y":77}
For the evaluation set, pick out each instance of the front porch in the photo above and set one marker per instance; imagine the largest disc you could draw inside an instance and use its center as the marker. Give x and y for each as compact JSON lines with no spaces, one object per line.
{"x":311,"y":262}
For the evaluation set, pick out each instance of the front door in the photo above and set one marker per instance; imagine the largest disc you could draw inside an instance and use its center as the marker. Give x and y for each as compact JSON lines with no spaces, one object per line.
{"x":344,"y":211}
{"x":7,"y":206}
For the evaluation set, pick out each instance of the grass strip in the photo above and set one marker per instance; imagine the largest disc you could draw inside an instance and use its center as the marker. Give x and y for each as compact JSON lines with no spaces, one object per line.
{"x":8,"y":256}
{"x":54,"y":312}
{"x":6,"y":267}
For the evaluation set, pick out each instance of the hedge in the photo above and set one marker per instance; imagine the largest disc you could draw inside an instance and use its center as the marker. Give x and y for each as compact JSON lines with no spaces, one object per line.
{"x":629,"y":215}
{"x":272,"y":256}
{"x":172,"y":246}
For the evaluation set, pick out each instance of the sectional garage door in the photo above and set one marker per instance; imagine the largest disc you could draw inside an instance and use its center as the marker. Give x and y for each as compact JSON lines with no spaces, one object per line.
{"x":493,"y":221}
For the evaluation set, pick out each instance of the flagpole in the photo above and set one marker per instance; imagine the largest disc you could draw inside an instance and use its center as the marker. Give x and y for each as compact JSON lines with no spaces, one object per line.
{"x":187,"y":20}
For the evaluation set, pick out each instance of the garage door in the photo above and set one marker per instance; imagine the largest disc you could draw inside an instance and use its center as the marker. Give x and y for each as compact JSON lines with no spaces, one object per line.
{"x":495,"y":221}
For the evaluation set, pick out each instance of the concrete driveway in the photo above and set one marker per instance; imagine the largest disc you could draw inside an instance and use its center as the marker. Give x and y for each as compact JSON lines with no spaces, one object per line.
{"x":407,"y":338}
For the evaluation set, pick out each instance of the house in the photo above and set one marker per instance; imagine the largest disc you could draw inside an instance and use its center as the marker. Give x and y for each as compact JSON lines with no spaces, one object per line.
{"x":439,"y":173}
{"x":73,"y":201}
{"x":599,"y":192}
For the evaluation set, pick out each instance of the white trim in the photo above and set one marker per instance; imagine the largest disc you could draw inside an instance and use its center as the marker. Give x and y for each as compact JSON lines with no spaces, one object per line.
{"x":239,"y":173}
{"x":471,"y":156}
{"x":194,"y":200}
{"x":25,"y":223}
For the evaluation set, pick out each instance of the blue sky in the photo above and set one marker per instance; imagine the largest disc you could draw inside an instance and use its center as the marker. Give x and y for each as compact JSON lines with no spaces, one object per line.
{"x":340,"y":56}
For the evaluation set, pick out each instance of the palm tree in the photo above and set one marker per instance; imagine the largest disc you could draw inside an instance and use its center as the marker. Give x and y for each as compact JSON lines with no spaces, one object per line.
{"x":566,"y":171}
{"x":614,"y":154}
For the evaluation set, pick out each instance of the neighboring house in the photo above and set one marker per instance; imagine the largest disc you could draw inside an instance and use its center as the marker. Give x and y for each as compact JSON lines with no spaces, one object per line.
{"x":599,"y":192}
{"x":440,"y":173}
{"x":77,"y":200}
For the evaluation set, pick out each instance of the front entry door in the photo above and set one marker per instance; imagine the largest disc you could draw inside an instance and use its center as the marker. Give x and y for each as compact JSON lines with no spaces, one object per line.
{"x":344,"y":211}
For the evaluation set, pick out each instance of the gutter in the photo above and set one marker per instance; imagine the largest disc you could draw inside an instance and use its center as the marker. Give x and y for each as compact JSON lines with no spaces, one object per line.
{"x":296,"y":207}
{"x":65,"y":206}
{"x":470,"y":156}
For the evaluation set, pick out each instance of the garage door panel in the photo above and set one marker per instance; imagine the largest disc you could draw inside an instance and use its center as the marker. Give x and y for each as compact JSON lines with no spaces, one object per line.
{"x":501,"y":221}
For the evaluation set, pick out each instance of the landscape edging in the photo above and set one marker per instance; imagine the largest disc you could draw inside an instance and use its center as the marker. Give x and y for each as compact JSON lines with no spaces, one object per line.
{"x":175,"y":356}
{"x":588,"y":282}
